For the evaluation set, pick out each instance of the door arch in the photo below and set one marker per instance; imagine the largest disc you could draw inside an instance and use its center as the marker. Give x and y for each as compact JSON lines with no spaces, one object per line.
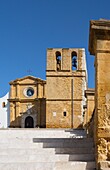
{"x":29,"y":122}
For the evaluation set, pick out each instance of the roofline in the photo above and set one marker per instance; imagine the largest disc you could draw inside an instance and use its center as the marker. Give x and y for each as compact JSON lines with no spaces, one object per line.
{"x":29,"y":76}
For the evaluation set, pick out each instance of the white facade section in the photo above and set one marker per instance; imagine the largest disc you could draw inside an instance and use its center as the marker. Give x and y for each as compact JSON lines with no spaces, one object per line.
{"x":4,"y":111}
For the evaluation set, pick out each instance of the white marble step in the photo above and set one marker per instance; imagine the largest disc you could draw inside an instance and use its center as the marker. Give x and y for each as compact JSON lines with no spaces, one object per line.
{"x":67,"y":140}
{"x":45,"y":140}
{"x":45,"y":145}
{"x":48,"y":166}
{"x":46,"y":149}
{"x":28,"y":151}
{"x":42,"y":133}
{"x":21,"y":145}
{"x":75,"y":150}
{"x":65,"y":145}
{"x":45,"y":158}
{"x":18,"y":142}
{"x":75,"y":166}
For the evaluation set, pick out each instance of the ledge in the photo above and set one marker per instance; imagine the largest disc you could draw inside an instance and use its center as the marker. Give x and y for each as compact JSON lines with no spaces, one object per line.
{"x":99,"y":29}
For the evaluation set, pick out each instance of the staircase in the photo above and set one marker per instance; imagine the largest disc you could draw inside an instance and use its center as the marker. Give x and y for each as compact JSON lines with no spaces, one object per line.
{"x":46,"y":149}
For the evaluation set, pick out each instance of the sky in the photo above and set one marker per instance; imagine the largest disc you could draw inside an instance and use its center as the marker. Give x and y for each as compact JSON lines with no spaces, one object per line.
{"x":29,"y":27}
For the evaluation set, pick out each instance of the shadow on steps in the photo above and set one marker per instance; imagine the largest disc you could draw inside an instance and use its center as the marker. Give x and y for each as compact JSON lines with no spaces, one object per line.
{"x":78,"y":149}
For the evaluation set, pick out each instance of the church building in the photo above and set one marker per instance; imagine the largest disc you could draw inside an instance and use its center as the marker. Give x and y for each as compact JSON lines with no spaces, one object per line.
{"x":27,"y":102}
{"x":58,"y":101}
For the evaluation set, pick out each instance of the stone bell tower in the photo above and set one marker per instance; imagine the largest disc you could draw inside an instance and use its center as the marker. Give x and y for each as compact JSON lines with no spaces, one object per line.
{"x":66,"y":76}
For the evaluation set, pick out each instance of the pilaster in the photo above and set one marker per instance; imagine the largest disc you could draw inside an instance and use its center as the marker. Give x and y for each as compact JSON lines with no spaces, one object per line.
{"x":17,"y":90}
{"x":11,"y":91}
{"x":12,"y":115}
{"x":99,"y":45}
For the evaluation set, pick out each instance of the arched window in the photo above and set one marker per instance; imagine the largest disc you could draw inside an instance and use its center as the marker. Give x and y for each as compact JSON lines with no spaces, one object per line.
{"x":58,"y":61}
{"x":74,"y":60}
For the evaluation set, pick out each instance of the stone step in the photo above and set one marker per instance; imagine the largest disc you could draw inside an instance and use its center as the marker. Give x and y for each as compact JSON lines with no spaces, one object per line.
{"x":22,"y":151}
{"x":68,"y":140}
{"x":48,"y":166}
{"x":46,"y":140}
{"x":45,"y":158}
{"x":73,"y":150}
{"x":46,"y":149}
{"x":67,"y":145}
{"x":75,"y":166}
{"x":21,"y":145}
{"x":26,"y":151}
{"x":16,"y":140}
{"x":81,"y":157}
{"x":51,"y":144}
{"x":42,"y":133}
{"x":45,"y":145}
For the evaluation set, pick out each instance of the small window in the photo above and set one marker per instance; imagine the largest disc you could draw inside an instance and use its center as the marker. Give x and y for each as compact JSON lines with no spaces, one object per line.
{"x":54,"y":114}
{"x":64,"y":113}
{"x":3,"y":104}
{"x":58,"y":61}
{"x":74,"y":60}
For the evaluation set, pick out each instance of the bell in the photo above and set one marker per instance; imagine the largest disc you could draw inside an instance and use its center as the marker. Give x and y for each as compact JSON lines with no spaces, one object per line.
{"x":74,"y":62}
{"x":58,"y":61}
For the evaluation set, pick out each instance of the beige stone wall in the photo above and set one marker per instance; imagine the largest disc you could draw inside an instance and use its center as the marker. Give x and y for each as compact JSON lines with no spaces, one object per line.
{"x":58,"y":87}
{"x":55,"y":117}
{"x":78,"y":114}
{"x":66,"y":60}
{"x":78,"y":90}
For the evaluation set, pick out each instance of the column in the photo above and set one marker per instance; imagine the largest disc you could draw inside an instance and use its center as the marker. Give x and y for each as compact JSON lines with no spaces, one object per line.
{"x":99,"y":45}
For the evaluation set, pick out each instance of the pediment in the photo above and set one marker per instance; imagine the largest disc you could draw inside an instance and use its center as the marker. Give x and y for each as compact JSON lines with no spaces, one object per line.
{"x":27,"y":80}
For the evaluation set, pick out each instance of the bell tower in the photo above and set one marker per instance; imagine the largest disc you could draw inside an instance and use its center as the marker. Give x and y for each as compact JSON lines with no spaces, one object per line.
{"x":66,"y":77}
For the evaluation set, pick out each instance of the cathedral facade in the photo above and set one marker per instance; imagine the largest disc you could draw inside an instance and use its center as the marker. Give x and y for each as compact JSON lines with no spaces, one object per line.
{"x":27,"y":102}
{"x":57,"y":102}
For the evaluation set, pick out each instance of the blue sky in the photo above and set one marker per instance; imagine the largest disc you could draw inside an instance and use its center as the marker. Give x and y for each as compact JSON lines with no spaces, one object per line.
{"x":29,"y":27}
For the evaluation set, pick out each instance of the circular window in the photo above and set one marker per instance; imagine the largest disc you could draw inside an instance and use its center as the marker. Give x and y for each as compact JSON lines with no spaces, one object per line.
{"x":28,"y":92}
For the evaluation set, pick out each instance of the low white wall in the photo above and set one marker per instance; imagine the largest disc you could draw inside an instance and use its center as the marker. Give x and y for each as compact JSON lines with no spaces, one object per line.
{"x":4,"y":112}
